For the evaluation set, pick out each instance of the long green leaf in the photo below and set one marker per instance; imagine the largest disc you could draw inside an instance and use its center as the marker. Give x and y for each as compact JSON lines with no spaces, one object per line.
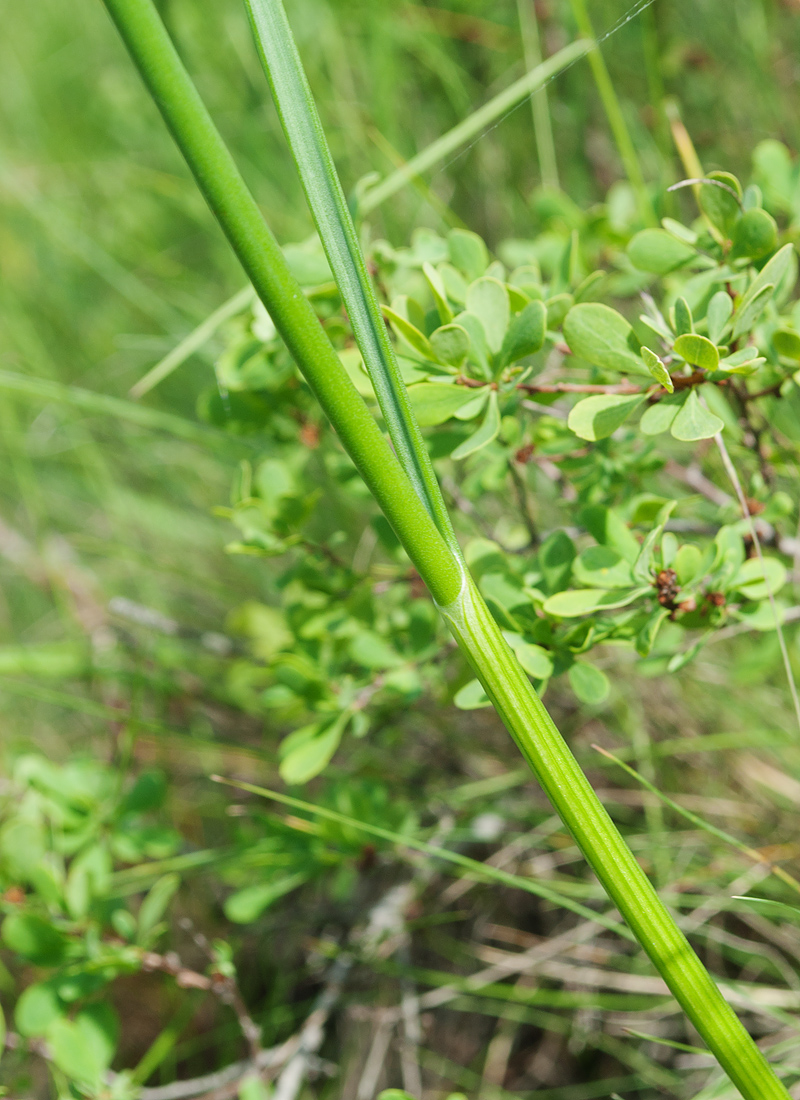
{"x":306,"y":138}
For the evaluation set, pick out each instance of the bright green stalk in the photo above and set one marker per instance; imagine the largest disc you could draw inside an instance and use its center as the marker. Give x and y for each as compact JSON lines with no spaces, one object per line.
{"x":463,"y":607}
{"x":235,"y":208}
{"x":306,"y":138}
{"x":543,"y":130}
{"x":471,"y":127}
{"x":616,"y":119}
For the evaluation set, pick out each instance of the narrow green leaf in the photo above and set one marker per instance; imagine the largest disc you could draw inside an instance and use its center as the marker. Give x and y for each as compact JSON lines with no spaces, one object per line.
{"x":600,"y":415}
{"x":720,"y":200}
{"x":474,"y":125}
{"x":687,"y":563}
{"x":772,"y":274}
{"x":248,"y":904}
{"x":698,"y":351}
{"x":657,"y":368}
{"x":479,"y":352}
{"x":602,"y":336}
{"x":485,"y":434}
{"x":484,"y":872}
{"x":695,"y":422}
{"x":410,"y":333}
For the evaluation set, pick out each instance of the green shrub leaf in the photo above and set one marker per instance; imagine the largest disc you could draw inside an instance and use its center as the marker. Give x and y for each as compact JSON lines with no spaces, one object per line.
{"x":34,"y":938}
{"x":602,"y":336}
{"x":525,"y":334}
{"x":435,"y":402}
{"x":485,"y":434}
{"x":755,"y":235}
{"x":472,"y":697}
{"x":698,"y":351}
{"x":657,"y":369}
{"x":602,"y":567}
{"x":756,"y":580}
{"x":657,"y":251}
{"x":718,"y":314}
{"x":451,"y":344}
{"x":248,"y":904}
{"x":570,"y":605}
{"x":589,"y":683}
{"x":600,"y":415}
{"x":487,"y":299}
{"x":694,"y":421}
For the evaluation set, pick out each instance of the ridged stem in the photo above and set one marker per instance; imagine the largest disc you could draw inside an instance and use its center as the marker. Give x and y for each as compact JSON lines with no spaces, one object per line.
{"x":560,"y":775}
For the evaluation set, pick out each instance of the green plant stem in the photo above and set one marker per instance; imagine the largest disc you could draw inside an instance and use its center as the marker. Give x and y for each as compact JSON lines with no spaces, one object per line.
{"x":542,"y":128}
{"x":616,"y":119}
{"x":605,"y":850}
{"x":471,"y":127}
{"x":467,"y":614}
{"x":236,"y":211}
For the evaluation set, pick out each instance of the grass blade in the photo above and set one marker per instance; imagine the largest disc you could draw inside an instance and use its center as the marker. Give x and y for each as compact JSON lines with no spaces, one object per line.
{"x":46,"y":390}
{"x":542,"y":127}
{"x":306,"y":138}
{"x":469,"y":129}
{"x":193,"y":342}
{"x":706,"y":826}
{"x":616,"y":119}
{"x":483,"y":871}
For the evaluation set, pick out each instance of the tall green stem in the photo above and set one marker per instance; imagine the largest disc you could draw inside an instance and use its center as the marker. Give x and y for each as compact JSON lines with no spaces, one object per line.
{"x":236,"y":211}
{"x":616,"y":119}
{"x":461,"y":604}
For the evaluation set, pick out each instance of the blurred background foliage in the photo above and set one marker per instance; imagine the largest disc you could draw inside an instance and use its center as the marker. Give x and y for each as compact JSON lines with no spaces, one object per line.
{"x":130,"y":637}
